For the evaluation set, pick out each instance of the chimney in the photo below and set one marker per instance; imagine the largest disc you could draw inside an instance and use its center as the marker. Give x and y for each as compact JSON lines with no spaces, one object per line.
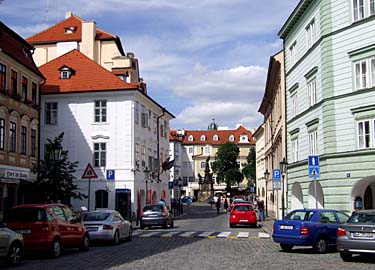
{"x":68,"y":14}
{"x":88,"y":39}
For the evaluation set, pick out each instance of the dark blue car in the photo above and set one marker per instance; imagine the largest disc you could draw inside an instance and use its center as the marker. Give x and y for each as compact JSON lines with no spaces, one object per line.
{"x":309,"y":227}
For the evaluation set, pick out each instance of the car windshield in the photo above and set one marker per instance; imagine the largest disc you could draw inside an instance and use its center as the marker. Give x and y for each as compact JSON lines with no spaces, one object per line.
{"x":25,"y":215}
{"x":243,"y":208}
{"x":300,"y":215}
{"x":96,"y":216}
{"x":153,"y":208}
{"x":239,"y":201}
{"x":366,"y":218}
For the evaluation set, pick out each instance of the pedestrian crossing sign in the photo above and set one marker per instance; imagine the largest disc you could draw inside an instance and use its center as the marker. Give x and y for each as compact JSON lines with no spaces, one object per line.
{"x":89,"y":172}
{"x":314,"y":172}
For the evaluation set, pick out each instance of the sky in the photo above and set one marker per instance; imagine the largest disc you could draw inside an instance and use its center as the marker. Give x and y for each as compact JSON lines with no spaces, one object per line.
{"x":201,"y":59}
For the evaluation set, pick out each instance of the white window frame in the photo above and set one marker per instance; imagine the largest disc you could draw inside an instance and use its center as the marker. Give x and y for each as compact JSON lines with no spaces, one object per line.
{"x":358,"y":8}
{"x":216,"y":138}
{"x":2,"y":134}
{"x":372,"y":7}
{"x":101,"y":159}
{"x":310,"y":34}
{"x":362,"y":134}
{"x":293,"y":53}
{"x":293,"y":99}
{"x":203,"y":138}
{"x":311,"y":89}
{"x":364,"y":71}
{"x":295,"y":150}
{"x":190,"y":138}
{"x":207,"y":150}
{"x":231,"y":138}
{"x":136,"y":113}
{"x":100,"y":111}
{"x":313,"y":142}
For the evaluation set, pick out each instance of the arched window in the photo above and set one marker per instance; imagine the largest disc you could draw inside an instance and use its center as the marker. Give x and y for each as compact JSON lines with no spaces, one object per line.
{"x":216,"y":138}
{"x":231,"y":138}
{"x":101,"y":199}
{"x":191,"y":138}
{"x":203,"y":138}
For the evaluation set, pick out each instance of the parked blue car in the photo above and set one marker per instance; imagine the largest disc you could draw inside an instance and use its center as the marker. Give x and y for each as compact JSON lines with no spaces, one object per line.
{"x":309,"y":227}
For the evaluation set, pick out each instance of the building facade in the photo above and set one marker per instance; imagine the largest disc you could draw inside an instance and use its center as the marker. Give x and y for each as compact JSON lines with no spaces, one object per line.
{"x":20,"y":80}
{"x":274,"y":135}
{"x":330,"y":84}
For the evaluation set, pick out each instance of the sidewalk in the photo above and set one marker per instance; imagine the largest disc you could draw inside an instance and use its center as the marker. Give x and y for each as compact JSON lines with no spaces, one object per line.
{"x":267,"y":225}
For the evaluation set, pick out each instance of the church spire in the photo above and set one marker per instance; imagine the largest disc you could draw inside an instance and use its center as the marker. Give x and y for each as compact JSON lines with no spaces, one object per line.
{"x":213,"y":125}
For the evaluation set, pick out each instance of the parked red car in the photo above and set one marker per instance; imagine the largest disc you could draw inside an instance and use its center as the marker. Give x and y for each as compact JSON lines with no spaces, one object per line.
{"x":243,"y":214}
{"x":50,"y":227}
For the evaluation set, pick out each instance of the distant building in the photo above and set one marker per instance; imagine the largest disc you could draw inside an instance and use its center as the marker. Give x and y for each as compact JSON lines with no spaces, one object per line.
{"x":20,"y":80}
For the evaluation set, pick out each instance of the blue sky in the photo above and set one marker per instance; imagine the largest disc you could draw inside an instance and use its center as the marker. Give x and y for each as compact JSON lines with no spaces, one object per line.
{"x":200,"y":59}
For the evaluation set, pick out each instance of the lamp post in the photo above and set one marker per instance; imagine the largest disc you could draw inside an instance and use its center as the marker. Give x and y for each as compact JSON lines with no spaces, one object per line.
{"x":146,"y":171}
{"x":55,"y":153}
{"x":266,"y":177}
{"x":284,"y":168}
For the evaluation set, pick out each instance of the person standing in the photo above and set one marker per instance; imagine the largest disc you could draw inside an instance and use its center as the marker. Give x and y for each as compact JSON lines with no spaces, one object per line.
{"x":218,"y":203}
{"x":226,"y":205}
{"x":261,"y":210}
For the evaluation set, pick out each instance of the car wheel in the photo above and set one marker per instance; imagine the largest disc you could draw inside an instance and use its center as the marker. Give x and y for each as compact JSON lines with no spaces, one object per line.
{"x":55,"y":248}
{"x":116,"y":238}
{"x":85,"y":243}
{"x":15,"y":253}
{"x":286,"y":247}
{"x":346,"y":257}
{"x":142,"y":227}
{"x":320,"y":246}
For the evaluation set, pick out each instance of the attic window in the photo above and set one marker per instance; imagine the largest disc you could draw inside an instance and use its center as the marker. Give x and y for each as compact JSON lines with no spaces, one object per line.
{"x":70,"y":30}
{"x":231,"y":138}
{"x":203,"y":138}
{"x":65,"y":73}
{"x":244,"y":138}
{"x":191,"y":138}
{"x":216,"y":138}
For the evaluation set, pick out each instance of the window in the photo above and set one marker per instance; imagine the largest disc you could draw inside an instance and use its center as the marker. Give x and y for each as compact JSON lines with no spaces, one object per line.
{"x":310,"y":34}
{"x":100,"y":152}
{"x":25,"y":82}
{"x":190,"y":138}
{"x":203,"y":138}
{"x":143,"y":156}
{"x":292,"y":53}
{"x":231,"y":138}
{"x":365,"y":73}
{"x":3,"y":77}
{"x":58,"y":212}
{"x":191,"y":179}
{"x":191,"y":150}
{"x":65,"y":73}
{"x":358,"y":10}
{"x":12,"y":137}
{"x":100,"y":111}
{"x":33,"y":143}
{"x":144,"y":120}
{"x":50,"y":113}
{"x":364,"y":134}
{"x":294,"y":105}
{"x":311,"y":87}
{"x":295,"y":150}
{"x":313,"y":143}
{"x":137,"y":156}
{"x":34,"y":94}
{"x":203,"y":165}
{"x":13,"y":83}
{"x":101,"y":199}
{"x":216,"y":138}
{"x":372,"y":7}
{"x":23,"y":140}
{"x":136,"y":113}
{"x":2,"y":134}
{"x":161,"y":132}
{"x":207,"y":150}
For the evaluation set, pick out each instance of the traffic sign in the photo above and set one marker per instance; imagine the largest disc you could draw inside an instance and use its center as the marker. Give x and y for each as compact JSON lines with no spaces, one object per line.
{"x":314,"y":172}
{"x":276,"y":175}
{"x":110,"y":174}
{"x":277,"y":185}
{"x":313,"y":163}
{"x":89,"y":172}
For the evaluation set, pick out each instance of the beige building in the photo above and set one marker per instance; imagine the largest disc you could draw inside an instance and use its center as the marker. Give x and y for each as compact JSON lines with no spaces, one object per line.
{"x":273,"y":109}
{"x":20,"y":80}
{"x":260,"y":167}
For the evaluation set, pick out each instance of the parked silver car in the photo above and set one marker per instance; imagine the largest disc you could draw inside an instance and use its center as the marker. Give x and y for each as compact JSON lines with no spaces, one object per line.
{"x":11,"y":245}
{"x":156,"y":215}
{"x":107,"y":225}
{"x":357,"y":236}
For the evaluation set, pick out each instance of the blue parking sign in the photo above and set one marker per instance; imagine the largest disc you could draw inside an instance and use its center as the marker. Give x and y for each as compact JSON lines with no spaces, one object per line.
{"x":276,"y":175}
{"x":110,"y":174}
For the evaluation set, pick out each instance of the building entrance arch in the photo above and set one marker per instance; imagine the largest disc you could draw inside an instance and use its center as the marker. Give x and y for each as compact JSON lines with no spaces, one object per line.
{"x":365,"y":189}
{"x":296,"y":196}
{"x":317,"y":201}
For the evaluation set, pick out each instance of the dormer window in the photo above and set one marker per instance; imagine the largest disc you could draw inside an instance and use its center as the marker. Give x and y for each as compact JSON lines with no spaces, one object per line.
{"x":70,"y":30}
{"x":231,"y":138}
{"x":190,"y":138}
{"x":203,"y":138}
{"x":244,"y":138}
{"x":66,"y":72}
{"x":216,"y":138}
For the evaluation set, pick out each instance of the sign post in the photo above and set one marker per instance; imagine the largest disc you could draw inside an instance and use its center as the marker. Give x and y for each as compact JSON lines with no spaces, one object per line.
{"x":314,"y":172}
{"x":276,"y":177}
{"x":88,"y":174}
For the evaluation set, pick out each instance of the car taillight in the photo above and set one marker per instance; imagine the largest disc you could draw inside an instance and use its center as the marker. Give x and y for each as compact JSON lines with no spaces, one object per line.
{"x":341,"y":232}
{"x":45,"y":228}
{"x":304,"y":230}
{"x":107,"y":227}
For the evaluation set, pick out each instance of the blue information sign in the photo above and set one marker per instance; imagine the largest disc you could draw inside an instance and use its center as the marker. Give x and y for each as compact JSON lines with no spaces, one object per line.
{"x":276,"y":177}
{"x":110,"y":174}
{"x":314,"y":169}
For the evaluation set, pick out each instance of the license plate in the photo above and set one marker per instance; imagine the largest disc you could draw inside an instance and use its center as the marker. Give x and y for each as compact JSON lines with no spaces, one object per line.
{"x":363,"y":234}
{"x":244,"y":220}
{"x":286,"y":227}
{"x":152,"y":215}
{"x":92,"y":229}
{"x":24,"y":231}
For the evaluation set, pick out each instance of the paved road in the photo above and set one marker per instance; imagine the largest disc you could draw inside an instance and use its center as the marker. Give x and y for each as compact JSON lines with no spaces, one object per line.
{"x":190,"y":253}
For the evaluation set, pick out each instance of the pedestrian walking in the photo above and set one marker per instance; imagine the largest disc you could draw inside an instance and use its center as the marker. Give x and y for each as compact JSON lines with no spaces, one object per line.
{"x":260,"y":205}
{"x":218,"y":203}
{"x":226,"y":205}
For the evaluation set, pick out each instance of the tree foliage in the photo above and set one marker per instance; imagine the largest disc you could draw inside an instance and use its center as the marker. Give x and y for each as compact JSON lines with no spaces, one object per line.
{"x":225,"y":165}
{"x":249,"y":170}
{"x":55,"y":174}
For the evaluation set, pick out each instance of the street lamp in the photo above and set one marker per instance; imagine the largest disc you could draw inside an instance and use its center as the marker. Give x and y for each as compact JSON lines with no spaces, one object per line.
{"x":146,"y":171}
{"x":55,"y":154}
{"x":266,"y":177}
{"x":284,"y":168}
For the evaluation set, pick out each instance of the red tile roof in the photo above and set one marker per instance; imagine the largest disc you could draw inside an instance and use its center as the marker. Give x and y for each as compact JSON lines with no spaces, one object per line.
{"x":56,"y":33}
{"x":17,"y":48}
{"x":223,"y":136}
{"x":88,"y":76}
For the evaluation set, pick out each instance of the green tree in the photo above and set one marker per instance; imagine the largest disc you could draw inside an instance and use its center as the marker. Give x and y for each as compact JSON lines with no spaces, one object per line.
{"x":249,"y":170}
{"x":55,"y":174}
{"x":225,"y":165}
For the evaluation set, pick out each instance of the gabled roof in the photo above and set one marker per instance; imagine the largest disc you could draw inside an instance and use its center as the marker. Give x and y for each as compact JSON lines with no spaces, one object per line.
{"x":88,"y":76}
{"x":223,"y":136}
{"x":56,"y":33}
{"x":17,"y":48}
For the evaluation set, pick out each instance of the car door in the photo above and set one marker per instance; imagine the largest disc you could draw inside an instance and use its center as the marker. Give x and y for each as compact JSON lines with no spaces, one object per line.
{"x":75,"y":227}
{"x":64,"y":227}
{"x":118,"y":222}
{"x":329,"y":225}
{"x":4,"y":240}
